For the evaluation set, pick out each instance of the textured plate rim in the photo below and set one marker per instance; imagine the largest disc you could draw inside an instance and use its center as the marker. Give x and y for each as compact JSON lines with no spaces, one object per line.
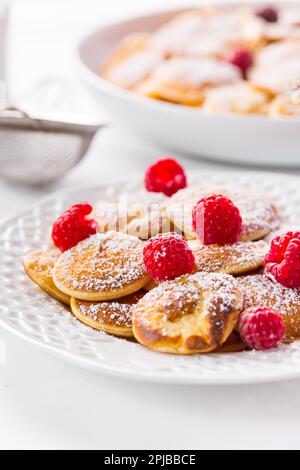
{"x":158,"y":378}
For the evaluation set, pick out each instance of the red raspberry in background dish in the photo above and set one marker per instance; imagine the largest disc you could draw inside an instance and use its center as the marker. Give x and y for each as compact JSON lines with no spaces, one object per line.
{"x":73,"y":226}
{"x":261,"y":328}
{"x":283,"y":259}
{"x":216,"y":220}
{"x":168,"y":256}
{"x":267,"y":13}
{"x":241,"y":58}
{"x":165,"y":176}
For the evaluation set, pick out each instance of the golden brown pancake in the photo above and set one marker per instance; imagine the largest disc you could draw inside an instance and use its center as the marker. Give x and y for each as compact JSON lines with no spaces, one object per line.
{"x":261,"y":291}
{"x":103,"y":267}
{"x":235,"y":259}
{"x":150,"y":224}
{"x":39,"y":265}
{"x":131,"y":62}
{"x":240,"y":98}
{"x":141,"y":214}
{"x":192,"y":314}
{"x":114,"y":317}
{"x":173,"y":37}
{"x":258,"y":214}
{"x":283,"y":106}
{"x":185,"y":80}
{"x":276,"y":67}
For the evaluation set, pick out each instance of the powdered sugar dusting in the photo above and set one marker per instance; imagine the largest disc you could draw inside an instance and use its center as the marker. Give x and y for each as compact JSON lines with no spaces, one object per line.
{"x":256,"y":211}
{"x":262,"y":290}
{"x":101,"y":263}
{"x":134,"y":68}
{"x":258,"y":214}
{"x":174,"y":299}
{"x":232,"y":259}
{"x":113,"y":313}
{"x":107,"y":313}
{"x":140,"y":213}
{"x":182,"y":72}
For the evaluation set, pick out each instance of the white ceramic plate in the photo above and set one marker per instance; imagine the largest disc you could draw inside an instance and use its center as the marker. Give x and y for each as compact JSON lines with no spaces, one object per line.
{"x":29,"y":313}
{"x":228,"y":137}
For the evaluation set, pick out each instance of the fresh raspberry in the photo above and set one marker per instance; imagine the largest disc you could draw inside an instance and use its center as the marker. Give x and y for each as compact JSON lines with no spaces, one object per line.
{"x":267,"y":13}
{"x":165,"y":176}
{"x":167,"y":256}
{"x":261,"y":328}
{"x":216,"y":220}
{"x":72,"y":226}
{"x":241,"y":58}
{"x":283,"y":259}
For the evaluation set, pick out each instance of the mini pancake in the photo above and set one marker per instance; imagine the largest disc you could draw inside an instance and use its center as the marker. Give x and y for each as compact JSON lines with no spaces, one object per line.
{"x":185,"y":80}
{"x":102,"y":267}
{"x":173,"y":36}
{"x":112,"y":317}
{"x":150,"y":224}
{"x":277,"y":66}
{"x":222,"y":32}
{"x":131,"y":62}
{"x":192,"y":314}
{"x":262,"y":291}
{"x":240,"y":98}
{"x":286,"y":28}
{"x":235,"y":259}
{"x":277,"y":80}
{"x":282,"y":105}
{"x":141,"y":214}
{"x":39,"y":266}
{"x":258,"y":214}
{"x":277,"y":53}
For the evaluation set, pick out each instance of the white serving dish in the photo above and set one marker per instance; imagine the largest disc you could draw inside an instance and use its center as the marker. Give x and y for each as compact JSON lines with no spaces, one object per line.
{"x":225,"y":137}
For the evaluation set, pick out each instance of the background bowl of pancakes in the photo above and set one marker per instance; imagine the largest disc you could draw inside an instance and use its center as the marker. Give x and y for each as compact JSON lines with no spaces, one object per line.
{"x":166,"y":76}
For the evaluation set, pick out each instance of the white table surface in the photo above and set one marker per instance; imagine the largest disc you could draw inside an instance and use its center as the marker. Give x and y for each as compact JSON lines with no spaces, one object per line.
{"x":46,"y":403}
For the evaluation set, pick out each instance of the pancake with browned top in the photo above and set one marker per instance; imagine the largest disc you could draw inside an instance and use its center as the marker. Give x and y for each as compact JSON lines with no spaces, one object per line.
{"x":185,"y":80}
{"x":103,"y":267}
{"x":114,"y":317}
{"x":258,"y":214}
{"x":235,"y":259}
{"x":140,"y":213}
{"x":192,"y":314}
{"x":262,"y":291}
{"x":131,"y":62}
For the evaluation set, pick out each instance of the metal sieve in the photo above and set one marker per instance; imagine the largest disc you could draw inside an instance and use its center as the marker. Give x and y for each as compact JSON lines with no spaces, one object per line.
{"x":36,"y":150}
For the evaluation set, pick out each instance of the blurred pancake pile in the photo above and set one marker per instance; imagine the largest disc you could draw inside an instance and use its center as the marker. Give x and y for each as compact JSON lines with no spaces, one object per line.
{"x":238,"y":59}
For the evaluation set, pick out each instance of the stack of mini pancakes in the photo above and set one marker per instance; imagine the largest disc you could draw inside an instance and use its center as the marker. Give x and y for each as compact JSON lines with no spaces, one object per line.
{"x":103,"y":278}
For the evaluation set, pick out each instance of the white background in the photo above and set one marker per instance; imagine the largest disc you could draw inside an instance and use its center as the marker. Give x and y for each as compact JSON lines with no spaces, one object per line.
{"x":45,"y":403}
